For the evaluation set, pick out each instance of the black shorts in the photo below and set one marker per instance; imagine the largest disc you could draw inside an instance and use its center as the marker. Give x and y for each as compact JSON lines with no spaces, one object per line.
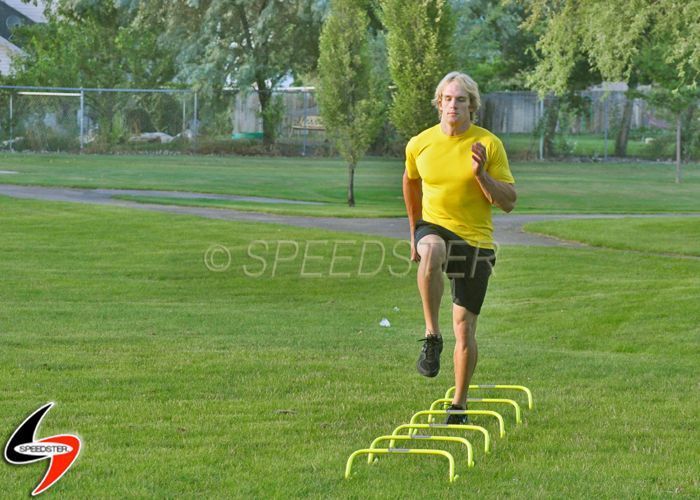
{"x":468,"y":267}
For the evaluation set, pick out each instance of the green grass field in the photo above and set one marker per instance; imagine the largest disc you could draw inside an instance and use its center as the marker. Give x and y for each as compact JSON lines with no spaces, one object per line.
{"x":542,"y":187}
{"x":589,"y":145}
{"x":183,"y":382}
{"x":658,"y":235}
{"x":364,"y":209}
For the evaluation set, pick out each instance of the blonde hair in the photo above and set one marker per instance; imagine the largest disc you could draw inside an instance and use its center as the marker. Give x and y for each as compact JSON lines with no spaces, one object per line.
{"x":467,"y":84}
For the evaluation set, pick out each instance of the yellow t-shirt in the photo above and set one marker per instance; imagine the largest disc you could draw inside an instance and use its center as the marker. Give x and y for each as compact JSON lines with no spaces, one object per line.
{"x":452,"y":197}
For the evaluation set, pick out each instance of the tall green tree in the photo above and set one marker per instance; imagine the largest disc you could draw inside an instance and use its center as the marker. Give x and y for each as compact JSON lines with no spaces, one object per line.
{"x":93,"y":43}
{"x":650,"y":41}
{"x":350,"y":96}
{"x":419,"y":43}
{"x":491,"y":46}
{"x":240,"y":43}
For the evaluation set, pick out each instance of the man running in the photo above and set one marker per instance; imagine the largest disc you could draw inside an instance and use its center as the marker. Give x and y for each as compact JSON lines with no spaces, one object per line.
{"x":455,"y":172}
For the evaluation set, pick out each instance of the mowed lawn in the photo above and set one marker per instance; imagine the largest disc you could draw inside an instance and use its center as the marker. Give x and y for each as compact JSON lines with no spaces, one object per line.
{"x":660,"y":235}
{"x":258,"y":382}
{"x":542,"y":187}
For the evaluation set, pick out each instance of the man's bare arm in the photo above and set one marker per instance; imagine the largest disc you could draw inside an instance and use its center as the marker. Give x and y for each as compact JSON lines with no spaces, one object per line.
{"x":413,"y":198}
{"x":499,"y":193}
{"x":502,"y":194}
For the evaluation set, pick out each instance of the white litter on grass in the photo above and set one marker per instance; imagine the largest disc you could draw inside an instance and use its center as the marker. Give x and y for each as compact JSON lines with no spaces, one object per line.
{"x":8,"y":172}
{"x":385,"y":323}
{"x":396,"y":309}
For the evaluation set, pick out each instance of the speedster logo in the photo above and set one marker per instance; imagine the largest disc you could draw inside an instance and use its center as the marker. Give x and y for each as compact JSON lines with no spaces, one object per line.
{"x":24,"y":448}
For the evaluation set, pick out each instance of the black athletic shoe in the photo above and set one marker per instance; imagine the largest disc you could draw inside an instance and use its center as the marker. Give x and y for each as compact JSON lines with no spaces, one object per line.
{"x":428,"y":363}
{"x":454,"y":418}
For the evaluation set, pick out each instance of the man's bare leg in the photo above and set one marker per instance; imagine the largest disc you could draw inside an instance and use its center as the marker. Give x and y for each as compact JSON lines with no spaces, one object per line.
{"x":466,"y":351}
{"x":433,"y":254}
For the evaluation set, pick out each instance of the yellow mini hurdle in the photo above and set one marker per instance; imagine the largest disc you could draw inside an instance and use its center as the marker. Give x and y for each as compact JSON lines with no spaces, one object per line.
{"x":437,"y":408}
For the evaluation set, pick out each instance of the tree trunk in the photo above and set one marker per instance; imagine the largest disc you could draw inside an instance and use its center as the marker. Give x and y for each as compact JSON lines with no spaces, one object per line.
{"x":689,"y":131}
{"x":623,"y":134}
{"x":678,"y":148}
{"x":264,"y":95}
{"x":351,"y":184}
{"x":550,"y":127}
{"x":104,"y":107}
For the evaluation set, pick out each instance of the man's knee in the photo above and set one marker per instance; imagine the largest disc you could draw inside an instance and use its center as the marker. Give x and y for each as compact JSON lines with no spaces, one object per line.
{"x":432,"y":251}
{"x":464,"y":324}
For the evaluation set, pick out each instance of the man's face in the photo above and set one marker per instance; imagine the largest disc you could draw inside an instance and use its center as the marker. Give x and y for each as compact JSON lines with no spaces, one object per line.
{"x":454,"y":105}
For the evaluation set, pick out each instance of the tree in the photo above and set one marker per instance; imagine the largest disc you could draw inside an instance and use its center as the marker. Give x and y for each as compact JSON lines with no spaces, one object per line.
{"x":494,"y":49}
{"x":349,"y":95}
{"x":652,"y":41}
{"x":92,"y":43}
{"x":491,"y":46}
{"x":669,"y":92}
{"x":419,"y":43}
{"x":240,"y":43}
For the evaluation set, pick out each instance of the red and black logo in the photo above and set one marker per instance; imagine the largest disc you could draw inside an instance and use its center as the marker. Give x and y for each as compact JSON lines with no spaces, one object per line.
{"x":24,"y":448}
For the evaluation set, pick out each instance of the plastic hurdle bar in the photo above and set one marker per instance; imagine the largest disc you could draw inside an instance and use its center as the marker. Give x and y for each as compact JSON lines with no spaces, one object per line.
{"x":518,"y":417}
{"x":530,"y":403}
{"x":457,"y":427}
{"x":490,"y":413}
{"x":449,"y":439}
{"x":403,"y":451}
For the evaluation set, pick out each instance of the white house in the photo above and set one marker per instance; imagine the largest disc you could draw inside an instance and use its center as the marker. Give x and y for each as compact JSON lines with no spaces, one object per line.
{"x":14,"y":13}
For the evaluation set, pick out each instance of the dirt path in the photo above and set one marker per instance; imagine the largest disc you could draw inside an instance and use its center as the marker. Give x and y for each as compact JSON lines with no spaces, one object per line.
{"x":508,"y":229}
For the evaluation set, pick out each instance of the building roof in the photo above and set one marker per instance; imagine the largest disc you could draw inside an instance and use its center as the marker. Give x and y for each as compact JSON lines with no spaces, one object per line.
{"x":33,"y":12}
{"x":13,"y":13}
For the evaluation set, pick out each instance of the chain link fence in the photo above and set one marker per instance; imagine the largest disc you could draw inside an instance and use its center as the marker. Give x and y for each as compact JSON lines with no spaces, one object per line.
{"x":94,"y":120}
{"x":594,"y":124}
